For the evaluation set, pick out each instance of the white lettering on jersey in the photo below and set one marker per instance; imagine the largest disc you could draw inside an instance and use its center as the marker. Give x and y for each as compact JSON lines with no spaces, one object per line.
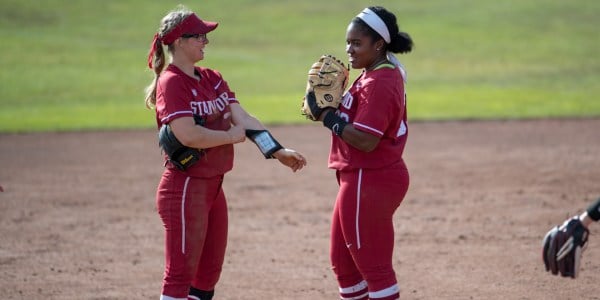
{"x":344,"y":116}
{"x":347,"y":100}
{"x":401,"y":130}
{"x":204,"y":108}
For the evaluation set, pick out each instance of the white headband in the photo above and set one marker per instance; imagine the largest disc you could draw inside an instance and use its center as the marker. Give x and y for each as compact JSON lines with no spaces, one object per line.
{"x":376,"y":23}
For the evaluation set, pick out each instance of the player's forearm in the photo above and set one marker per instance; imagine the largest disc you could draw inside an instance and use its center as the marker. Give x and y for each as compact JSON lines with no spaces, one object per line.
{"x":585,"y":219}
{"x":208,"y":138}
{"x":201,"y":138}
{"x":360,"y":140}
{"x":195,"y":136}
{"x":592,"y":214}
{"x":243,"y":118}
{"x":250,"y":122}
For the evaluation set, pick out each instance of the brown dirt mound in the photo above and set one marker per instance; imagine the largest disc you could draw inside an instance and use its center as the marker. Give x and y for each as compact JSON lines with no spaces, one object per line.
{"x":78,"y":219}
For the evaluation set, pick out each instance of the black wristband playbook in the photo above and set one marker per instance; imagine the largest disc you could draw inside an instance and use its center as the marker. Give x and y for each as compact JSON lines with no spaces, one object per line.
{"x":265,"y":141}
{"x":593,"y":210}
{"x":334,"y":122}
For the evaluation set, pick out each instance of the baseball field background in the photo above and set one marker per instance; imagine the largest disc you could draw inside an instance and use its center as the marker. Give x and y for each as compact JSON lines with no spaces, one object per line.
{"x":70,"y":65}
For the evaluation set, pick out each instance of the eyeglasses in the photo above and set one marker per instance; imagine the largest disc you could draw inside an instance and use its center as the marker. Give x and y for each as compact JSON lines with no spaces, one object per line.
{"x":197,"y":36}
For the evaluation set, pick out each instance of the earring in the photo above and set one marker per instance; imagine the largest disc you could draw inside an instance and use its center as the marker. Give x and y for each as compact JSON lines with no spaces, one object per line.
{"x":378,"y":49}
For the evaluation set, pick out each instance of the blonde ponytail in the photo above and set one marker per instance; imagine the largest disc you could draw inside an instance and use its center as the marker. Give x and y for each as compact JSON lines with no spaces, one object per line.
{"x":157,"y":58}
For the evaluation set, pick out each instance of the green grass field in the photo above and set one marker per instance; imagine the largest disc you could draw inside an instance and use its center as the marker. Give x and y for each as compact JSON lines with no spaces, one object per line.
{"x":81,"y":64}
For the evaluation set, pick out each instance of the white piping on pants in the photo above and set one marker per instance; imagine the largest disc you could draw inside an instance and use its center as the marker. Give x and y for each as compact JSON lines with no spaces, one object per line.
{"x":183,"y":215}
{"x":358,"y":208}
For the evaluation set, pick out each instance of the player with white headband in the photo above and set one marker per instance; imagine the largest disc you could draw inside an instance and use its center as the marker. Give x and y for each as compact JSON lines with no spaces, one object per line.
{"x":369,"y":134}
{"x":377,"y":24}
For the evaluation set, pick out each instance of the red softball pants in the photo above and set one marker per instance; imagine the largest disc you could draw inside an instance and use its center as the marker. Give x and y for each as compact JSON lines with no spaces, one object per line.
{"x":194,"y":215}
{"x":362,"y":232}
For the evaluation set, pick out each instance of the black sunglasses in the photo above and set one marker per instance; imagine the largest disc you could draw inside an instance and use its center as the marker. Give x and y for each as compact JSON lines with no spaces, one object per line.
{"x":196,"y":36}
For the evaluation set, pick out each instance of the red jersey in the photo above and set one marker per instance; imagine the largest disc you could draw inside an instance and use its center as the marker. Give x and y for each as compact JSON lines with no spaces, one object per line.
{"x":375,"y":104}
{"x":179,"y":95}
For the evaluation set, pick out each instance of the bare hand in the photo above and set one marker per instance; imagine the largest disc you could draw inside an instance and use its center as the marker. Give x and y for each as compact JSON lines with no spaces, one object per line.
{"x":237,"y":134}
{"x":290,"y":158}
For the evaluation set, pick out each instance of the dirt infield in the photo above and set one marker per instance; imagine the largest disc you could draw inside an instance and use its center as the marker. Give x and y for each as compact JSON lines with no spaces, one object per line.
{"x":78,"y":219}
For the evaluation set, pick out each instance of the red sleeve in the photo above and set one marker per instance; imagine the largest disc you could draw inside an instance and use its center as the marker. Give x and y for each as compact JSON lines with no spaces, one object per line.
{"x":172,"y":99}
{"x":375,"y":108}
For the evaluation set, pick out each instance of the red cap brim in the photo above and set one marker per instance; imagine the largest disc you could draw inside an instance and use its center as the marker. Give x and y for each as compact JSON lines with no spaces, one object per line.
{"x":207,"y":27}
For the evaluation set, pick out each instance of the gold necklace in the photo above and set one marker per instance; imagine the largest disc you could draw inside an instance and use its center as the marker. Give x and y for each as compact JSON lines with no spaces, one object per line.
{"x":375,"y":65}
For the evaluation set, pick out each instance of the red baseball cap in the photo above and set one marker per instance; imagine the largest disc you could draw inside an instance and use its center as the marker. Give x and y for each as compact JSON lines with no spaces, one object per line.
{"x":190,"y":25}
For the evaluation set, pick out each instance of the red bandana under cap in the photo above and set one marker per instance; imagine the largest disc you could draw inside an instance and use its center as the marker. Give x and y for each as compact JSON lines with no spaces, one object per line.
{"x":190,"y":25}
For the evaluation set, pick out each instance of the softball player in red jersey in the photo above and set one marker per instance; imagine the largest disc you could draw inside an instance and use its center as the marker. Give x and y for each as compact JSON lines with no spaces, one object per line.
{"x":191,"y":202}
{"x":370,"y":132}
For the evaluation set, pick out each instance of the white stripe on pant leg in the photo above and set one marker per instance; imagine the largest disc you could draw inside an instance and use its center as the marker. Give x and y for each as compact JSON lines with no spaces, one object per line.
{"x":355,"y":288}
{"x":385,"y":292}
{"x":183,"y":215}
{"x":358,"y":208}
